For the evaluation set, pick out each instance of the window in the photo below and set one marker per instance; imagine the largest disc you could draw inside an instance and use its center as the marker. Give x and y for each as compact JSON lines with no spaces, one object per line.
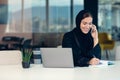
{"x":3,"y":13}
{"x":77,"y":6}
{"x":41,"y":16}
{"x":14,"y":16}
{"x":38,"y":16}
{"x":104,"y":17}
{"x":59,"y":16}
{"x":109,"y":18}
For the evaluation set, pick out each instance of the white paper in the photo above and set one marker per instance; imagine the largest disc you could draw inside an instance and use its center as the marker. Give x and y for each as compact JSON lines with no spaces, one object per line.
{"x":102,"y":63}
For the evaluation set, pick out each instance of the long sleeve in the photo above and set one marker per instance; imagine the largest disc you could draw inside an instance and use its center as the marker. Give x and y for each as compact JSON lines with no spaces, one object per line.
{"x":94,"y":52}
{"x":81,"y":56}
{"x":81,"y":41}
{"x":69,"y":42}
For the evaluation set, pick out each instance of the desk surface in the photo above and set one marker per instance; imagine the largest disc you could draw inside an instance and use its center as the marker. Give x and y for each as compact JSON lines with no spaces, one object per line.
{"x":37,"y":72}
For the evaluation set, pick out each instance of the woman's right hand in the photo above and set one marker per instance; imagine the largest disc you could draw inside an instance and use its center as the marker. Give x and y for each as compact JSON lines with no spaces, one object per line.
{"x":94,"y":61}
{"x":94,"y":34}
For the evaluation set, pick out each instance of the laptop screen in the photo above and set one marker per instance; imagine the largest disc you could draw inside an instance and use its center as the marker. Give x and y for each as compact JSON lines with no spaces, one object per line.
{"x":57,"y":57}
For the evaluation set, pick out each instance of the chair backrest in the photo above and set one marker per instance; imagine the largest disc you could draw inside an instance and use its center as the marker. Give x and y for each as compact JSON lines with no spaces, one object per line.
{"x":3,"y":46}
{"x":10,"y":57}
{"x":12,"y":38}
{"x":103,"y":37}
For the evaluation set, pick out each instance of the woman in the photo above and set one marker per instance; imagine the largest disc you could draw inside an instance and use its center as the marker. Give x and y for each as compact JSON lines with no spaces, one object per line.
{"x":83,"y":40}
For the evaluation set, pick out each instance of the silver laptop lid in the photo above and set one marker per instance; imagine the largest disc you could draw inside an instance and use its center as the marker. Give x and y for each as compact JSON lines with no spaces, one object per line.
{"x":57,"y":57}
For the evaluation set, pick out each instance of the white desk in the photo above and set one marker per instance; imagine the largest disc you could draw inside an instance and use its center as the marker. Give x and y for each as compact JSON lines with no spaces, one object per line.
{"x":37,"y":72}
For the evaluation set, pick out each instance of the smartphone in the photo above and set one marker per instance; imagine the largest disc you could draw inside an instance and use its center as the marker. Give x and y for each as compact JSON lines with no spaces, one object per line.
{"x":92,"y":29}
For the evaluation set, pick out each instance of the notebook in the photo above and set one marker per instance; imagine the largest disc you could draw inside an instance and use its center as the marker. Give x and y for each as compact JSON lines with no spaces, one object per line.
{"x":103,"y":63}
{"x":57,"y":57}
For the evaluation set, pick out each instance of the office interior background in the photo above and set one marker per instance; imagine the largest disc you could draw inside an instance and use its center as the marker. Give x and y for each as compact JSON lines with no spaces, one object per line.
{"x":46,"y":21}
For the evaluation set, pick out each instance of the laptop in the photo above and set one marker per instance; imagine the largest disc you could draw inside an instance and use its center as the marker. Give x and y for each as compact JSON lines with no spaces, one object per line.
{"x":57,"y":57}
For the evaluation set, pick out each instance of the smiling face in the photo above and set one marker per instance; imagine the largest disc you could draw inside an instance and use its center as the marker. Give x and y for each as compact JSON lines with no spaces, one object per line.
{"x":86,"y":24}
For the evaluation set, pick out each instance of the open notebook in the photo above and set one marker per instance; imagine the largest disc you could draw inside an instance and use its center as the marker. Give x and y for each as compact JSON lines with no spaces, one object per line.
{"x":103,"y":63}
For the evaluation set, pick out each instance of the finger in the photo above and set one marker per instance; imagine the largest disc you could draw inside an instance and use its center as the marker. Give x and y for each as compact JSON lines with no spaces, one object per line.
{"x":93,"y":26}
{"x":97,"y":60}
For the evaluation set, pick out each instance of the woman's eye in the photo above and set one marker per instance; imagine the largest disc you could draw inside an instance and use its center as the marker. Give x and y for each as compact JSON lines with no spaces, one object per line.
{"x":84,"y":23}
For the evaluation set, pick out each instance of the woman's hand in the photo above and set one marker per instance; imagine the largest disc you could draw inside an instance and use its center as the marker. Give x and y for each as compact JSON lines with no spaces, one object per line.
{"x":94,"y":61}
{"x":94,"y":34}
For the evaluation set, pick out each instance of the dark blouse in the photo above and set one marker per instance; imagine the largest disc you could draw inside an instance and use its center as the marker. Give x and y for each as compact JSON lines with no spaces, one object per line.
{"x":82,"y":48}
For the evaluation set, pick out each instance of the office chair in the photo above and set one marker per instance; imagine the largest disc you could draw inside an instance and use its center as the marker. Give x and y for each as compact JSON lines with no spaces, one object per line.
{"x":3,"y":46}
{"x":106,"y":42}
{"x":13,"y":42}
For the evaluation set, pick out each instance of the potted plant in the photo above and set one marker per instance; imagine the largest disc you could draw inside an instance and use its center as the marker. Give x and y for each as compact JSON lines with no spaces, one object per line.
{"x":26,"y":57}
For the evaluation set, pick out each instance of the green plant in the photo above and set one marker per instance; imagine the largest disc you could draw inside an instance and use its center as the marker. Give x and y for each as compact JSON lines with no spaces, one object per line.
{"x":26,"y":54}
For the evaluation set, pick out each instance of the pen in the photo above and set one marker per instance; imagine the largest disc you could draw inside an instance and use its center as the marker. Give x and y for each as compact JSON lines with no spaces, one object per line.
{"x":99,"y":61}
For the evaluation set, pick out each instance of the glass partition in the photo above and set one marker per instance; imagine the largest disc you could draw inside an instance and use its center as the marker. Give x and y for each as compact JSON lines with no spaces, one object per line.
{"x":59,"y":16}
{"x":14,"y":16}
{"x":109,"y":17}
{"x":47,"y":20}
{"x":42,"y":16}
{"x":77,"y":6}
{"x":104,"y":17}
{"x":39,"y":16}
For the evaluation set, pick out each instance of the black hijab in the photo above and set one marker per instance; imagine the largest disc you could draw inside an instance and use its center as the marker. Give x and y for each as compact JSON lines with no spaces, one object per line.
{"x":81,"y":15}
{"x":85,"y":40}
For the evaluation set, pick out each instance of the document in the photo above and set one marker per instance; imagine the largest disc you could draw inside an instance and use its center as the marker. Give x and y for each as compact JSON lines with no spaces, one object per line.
{"x":103,"y":63}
